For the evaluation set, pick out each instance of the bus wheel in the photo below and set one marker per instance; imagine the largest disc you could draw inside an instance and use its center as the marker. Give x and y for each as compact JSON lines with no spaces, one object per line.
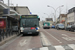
{"x":24,"y":34}
{"x":48,"y":28}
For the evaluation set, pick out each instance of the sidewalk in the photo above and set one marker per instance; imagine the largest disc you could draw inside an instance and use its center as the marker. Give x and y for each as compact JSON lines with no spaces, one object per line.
{"x":7,"y":39}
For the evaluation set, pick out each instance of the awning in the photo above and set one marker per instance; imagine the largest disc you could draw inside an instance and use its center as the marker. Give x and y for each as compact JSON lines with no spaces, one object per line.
{"x":62,"y":21}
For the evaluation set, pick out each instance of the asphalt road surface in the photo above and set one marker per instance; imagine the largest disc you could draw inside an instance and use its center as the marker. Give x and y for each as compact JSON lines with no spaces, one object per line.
{"x":48,"y":39}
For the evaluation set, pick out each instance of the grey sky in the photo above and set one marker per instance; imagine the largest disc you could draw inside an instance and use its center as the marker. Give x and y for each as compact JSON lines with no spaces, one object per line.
{"x":40,"y":6}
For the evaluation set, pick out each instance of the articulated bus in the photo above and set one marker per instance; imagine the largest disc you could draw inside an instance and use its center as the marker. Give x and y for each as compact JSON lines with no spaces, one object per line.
{"x":29,"y":24}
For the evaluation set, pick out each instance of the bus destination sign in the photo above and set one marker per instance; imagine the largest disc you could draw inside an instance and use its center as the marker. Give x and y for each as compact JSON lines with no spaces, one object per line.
{"x":29,"y":16}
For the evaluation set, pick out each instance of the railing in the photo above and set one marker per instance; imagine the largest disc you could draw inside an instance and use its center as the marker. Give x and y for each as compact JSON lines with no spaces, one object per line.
{"x":6,"y":33}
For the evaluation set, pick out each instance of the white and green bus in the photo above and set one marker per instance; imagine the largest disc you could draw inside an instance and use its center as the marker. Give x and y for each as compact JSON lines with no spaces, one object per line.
{"x":46,"y":25}
{"x":29,"y":24}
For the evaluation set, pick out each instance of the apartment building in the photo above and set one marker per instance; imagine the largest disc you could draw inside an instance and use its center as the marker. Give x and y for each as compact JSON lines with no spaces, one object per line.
{"x":71,"y":16}
{"x":62,"y":18}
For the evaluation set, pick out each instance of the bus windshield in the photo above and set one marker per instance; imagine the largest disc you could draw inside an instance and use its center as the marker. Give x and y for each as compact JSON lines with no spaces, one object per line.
{"x":29,"y":22}
{"x":48,"y":24}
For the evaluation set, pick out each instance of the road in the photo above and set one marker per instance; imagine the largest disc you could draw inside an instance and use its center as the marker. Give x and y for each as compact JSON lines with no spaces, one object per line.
{"x":49,"y":39}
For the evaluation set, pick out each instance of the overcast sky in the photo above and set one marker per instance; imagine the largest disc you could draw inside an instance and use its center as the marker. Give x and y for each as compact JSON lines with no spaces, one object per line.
{"x":40,"y":6}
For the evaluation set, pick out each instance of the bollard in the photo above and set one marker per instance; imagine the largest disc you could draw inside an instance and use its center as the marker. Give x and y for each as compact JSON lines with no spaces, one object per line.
{"x":9,"y":32}
{"x":6,"y":33}
{"x":0,"y":36}
{"x":3,"y":33}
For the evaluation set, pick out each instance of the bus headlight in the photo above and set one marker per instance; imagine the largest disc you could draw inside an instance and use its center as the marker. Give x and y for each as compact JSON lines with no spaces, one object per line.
{"x":38,"y":27}
{"x":37,"y":30}
{"x":21,"y":28}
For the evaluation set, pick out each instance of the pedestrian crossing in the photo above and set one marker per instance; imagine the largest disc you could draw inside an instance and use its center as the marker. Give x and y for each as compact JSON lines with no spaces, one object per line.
{"x":59,"y":47}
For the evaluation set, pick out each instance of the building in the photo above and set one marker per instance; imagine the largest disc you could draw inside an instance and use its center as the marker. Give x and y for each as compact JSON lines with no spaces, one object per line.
{"x":58,"y":20}
{"x":50,"y":20}
{"x":8,"y":16}
{"x":62,"y":18}
{"x":4,"y":9}
{"x":71,"y":16}
{"x":23,"y":10}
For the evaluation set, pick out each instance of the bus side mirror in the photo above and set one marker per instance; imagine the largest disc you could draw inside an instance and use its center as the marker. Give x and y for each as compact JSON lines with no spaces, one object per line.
{"x":39,"y":19}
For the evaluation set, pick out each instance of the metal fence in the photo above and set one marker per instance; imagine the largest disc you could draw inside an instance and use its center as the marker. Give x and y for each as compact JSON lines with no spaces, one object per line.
{"x":6,"y":33}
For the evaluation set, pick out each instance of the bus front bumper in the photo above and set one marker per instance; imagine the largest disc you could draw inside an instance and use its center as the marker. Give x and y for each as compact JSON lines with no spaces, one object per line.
{"x":46,"y":27}
{"x":30,"y":32}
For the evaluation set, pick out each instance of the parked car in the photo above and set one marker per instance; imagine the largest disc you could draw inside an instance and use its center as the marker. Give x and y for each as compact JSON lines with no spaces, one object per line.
{"x":68,"y":28}
{"x":60,"y":26}
{"x":52,"y":26}
{"x":56,"y":26}
{"x":73,"y":28}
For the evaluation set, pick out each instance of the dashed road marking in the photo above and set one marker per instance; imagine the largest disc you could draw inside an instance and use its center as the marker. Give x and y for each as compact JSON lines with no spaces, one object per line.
{"x":29,"y":49}
{"x":45,"y":48}
{"x":53,"y":37}
{"x":65,"y":35}
{"x":72,"y":46}
{"x":67,"y":38}
{"x":59,"y":47}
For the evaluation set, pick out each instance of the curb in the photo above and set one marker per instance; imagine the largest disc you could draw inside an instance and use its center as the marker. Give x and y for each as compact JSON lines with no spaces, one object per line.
{"x":7,"y":39}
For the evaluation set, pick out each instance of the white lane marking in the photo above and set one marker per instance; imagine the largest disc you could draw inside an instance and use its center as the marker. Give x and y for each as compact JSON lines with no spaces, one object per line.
{"x":29,"y":49}
{"x":44,"y":40}
{"x":68,"y":38}
{"x":44,"y":48}
{"x":59,"y":47}
{"x":25,"y":41}
{"x":72,"y":46}
{"x":22,"y":42}
{"x":53,"y":37}
{"x":65,"y":35}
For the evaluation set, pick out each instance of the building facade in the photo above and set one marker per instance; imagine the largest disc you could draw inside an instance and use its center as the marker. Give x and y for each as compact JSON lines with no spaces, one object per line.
{"x":58,"y":20}
{"x":71,"y":16}
{"x":50,"y":20}
{"x":23,"y":10}
{"x":62,"y":18}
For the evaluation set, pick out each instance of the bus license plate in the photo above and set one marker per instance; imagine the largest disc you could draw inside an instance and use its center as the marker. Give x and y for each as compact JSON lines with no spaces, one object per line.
{"x":29,"y":32}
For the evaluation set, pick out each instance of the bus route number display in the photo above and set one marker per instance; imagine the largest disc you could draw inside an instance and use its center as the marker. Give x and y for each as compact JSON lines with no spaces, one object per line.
{"x":30,"y":16}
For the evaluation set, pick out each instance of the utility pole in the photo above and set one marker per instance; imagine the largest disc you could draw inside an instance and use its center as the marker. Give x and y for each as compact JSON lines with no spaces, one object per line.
{"x":60,"y":14}
{"x":66,"y":15}
{"x":74,"y":17}
{"x":55,"y":10}
{"x":8,"y":7}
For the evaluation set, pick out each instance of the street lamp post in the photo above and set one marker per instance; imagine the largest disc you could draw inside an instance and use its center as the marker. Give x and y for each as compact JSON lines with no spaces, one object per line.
{"x":74,"y":17}
{"x":46,"y":14}
{"x":55,"y":10}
